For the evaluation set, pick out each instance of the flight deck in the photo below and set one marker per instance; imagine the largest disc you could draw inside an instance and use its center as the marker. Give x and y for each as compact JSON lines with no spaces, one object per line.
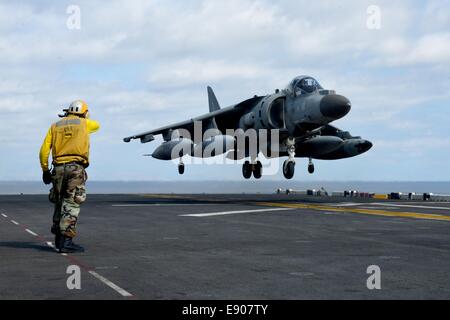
{"x":213,"y":246}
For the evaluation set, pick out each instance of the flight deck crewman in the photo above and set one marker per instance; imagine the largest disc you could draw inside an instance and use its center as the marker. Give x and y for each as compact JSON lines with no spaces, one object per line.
{"x":68,"y":140}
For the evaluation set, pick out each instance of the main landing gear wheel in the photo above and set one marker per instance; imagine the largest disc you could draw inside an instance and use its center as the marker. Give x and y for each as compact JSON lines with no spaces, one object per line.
{"x":247,"y":170}
{"x":181,"y":168}
{"x":310,"y":167}
{"x":257,"y":170}
{"x":288,"y":169}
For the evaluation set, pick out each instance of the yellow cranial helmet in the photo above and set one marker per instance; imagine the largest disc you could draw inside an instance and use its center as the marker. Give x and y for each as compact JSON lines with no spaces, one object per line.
{"x":78,"y":107}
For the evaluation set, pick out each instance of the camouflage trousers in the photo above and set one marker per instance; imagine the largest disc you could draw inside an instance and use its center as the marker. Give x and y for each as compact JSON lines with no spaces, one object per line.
{"x":68,"y":193}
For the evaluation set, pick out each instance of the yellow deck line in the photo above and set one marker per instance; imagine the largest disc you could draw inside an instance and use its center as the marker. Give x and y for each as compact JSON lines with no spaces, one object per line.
{"x":416,"y":215}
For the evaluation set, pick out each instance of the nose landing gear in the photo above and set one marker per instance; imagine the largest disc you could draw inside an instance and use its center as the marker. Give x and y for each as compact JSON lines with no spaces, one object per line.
{"x":289,"y":164}
{"x":288,"y":169}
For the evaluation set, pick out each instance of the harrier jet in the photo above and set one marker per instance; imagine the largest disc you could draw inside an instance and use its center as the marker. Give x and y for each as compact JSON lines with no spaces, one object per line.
{"x":300,"y":115}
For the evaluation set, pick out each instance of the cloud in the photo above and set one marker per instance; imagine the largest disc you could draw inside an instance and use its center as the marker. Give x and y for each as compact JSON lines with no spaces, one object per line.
{"x":431,"y":48}
{"x":413,"y":147}
{"x":142,"y":64}
{"x":428,"y":49}
{"x":187,"y":72}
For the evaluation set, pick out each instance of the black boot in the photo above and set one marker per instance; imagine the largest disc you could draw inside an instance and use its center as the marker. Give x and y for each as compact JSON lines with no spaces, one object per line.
{"x":67,"y":246}
{"x":57,"y":232}
{"x":58,"y":239}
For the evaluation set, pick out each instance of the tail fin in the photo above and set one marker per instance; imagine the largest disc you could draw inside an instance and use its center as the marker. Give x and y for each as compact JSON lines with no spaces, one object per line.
{"x":212,"y":100}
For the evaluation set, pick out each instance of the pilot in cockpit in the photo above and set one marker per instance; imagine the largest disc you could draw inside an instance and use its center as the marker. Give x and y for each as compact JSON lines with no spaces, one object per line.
{"x":304,"y":84}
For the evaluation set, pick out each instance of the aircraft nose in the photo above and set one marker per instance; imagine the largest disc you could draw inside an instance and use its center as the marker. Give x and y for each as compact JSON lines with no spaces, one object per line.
{"x":334,"y":106}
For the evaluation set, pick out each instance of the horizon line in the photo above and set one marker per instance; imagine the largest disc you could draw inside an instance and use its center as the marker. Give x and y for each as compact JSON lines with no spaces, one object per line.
{"x":260,"y":181}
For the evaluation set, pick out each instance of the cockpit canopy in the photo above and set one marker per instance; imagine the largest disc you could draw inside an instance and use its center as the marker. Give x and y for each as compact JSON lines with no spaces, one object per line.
{"x":303,"y":84}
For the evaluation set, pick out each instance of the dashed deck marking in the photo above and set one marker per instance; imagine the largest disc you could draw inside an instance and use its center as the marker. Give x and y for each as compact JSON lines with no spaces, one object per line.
{"x":51,"y":245}
{"x":31,"y":232}
{"x":110,"y":284}
{"x":74,"y":260}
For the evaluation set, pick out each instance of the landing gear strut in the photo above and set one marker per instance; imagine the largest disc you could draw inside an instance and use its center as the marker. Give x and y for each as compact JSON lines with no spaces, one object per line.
{"x":310,"y":166}
{"x":249,"y":168}
{"x":257,"y":170}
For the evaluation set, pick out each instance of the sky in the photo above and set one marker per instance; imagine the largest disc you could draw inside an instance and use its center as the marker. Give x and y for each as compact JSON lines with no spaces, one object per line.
{"x":143,"y":64}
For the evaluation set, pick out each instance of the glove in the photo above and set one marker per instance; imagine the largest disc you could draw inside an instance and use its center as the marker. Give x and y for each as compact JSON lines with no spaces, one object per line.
{"x":47,"y":177}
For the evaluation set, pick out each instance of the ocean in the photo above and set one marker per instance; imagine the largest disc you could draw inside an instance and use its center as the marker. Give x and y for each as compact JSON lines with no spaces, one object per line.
{"x":243,"y":186}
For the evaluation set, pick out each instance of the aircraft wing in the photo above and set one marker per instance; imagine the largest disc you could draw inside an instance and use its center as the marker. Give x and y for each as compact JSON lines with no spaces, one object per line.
{"x":226,"y":118}
{"x":149,"y":135}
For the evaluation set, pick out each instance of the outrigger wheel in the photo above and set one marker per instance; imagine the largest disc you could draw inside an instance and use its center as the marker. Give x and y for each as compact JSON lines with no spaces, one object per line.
{"x":181,"y":168}
{"x":310,"y":166}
